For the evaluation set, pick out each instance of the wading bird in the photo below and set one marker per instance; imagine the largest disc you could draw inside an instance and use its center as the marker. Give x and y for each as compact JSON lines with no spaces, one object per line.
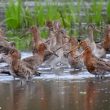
{"x":94,"y":65}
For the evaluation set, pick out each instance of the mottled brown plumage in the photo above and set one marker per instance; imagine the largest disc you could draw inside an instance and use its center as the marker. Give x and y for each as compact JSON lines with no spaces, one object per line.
{"x":36,"y":39}
{"x":73,"y":59}
{"x":106,"y":39}
{"x":97,"y":49}
{"x":94,"y":65}
{"x":18,"y":67}
{"x":38,"y":58}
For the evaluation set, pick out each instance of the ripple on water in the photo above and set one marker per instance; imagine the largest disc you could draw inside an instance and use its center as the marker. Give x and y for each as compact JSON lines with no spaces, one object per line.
{"x":52,"y":76}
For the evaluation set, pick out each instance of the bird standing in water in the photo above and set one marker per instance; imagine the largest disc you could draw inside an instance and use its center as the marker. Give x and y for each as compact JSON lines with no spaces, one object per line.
{"x":74,"y":61}
{"x":18,"y":67}
{"x":106,"y":40}
{"x":97,"y":49}
{"x":94,"y":65}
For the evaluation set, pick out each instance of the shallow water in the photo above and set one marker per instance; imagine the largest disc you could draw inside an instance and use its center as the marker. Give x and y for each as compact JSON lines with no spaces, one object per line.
{"x":56,"y":94}
{"x":63,"y":91}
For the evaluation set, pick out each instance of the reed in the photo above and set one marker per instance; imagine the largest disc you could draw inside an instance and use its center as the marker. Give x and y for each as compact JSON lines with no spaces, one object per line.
{"x":108,"y":12}
{"x":18,"y":17}
{"x":14,"y":14}
{"x":96,"y":10}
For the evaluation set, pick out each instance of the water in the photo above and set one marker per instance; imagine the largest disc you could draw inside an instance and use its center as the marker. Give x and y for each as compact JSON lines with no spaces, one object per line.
{"x":64,"y":91}
{"x":56,"y":94}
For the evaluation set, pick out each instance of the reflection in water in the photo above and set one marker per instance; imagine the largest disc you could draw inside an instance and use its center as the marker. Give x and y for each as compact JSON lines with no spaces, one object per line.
{"x":90,"y":96}
{"x":55,"y":94}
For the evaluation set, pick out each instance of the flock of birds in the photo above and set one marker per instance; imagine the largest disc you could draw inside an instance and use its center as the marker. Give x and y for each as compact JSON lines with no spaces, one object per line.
{"x":58,"y":48}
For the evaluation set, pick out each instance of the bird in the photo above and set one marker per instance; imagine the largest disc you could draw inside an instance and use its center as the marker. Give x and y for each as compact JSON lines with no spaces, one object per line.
{"x":106,"y":40}
{"x":51,"y":36}
{"x":18,"y":67}
{"x":36,"y":39}
{"x":97,"y":49}
{"x":4,"y":42}
{"x":56,"y":41}
{"x":94,"y":65}
{"x":73,"y":59}
{"x":40,"y":50}
{"x":38,"y":57}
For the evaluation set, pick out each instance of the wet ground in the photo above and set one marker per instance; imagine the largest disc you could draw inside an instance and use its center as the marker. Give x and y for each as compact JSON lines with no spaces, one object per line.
{"x":65,"y":91}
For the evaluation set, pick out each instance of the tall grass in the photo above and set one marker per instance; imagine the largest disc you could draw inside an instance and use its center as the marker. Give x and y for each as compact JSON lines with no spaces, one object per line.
{"x":14,"y":14}
{"x":70,"y":15}
{"x":108,"y":12}
{"x":96,"y":10}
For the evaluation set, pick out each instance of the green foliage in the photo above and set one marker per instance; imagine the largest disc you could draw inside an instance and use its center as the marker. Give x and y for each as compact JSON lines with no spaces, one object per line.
{"x":96,"y":11}
{"x":14,"y":14}
{"x":108,"y":12}
{"x":19,"y":17}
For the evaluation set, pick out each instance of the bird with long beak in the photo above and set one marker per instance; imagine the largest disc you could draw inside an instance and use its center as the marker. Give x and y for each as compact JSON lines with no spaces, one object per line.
{"x":51,"y":36}
{"x":18,"y":67}
{"x":73,"y":55}
{"x":56,"y":41}
{"x":36,"y":39}
{"x":106,"y":39}
{"x":38,"y":57}
{"x":97,"y":49}
{"x":41,"y":55}
{"x":4,"y":43}
{"x":94,"y":65}
{"x":57,"y":35}
{"x":41,"y":51}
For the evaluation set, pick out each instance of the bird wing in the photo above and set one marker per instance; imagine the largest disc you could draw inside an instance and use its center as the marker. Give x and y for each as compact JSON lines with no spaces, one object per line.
{"x":101,"y":64}
{"x":47,"y":55}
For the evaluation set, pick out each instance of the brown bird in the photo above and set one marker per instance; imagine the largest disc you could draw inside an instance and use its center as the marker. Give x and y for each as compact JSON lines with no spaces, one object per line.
{"x":36,"y":39}
{"x":38,"y":57}
{"x":106,"y":39}
{"x":57,"y":36}
{"x":4,"y":41}
{"x":51,"y":36}
{"x":73,"y":59}
{"x":49,"y":24}
{"x":41,"y":51}
{"x":97,"y":49}
{"x":94,"y":65}
{"x":55,"y":42}
{"x":18,"y":67}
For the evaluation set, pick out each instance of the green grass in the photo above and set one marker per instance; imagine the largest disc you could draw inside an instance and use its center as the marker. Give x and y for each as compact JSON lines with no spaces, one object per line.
{"x":17,"y":17}
{"x":14,"y":14}
{"x":108,"y":12}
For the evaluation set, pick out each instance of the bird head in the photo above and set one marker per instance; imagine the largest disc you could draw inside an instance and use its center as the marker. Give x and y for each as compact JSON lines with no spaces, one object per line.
{"x":14,"y":54}
{"x":84,"y":43}
{"x":49,"y":24}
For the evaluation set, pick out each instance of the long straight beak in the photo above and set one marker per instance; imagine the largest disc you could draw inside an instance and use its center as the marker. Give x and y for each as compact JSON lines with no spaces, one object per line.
{"x":97,"y":30}
{"x":47,"y":41}
{"x":81,"y":54}
{"x":72,"y":50}
{"x":61,"y":47}
{"x":54,"y":53}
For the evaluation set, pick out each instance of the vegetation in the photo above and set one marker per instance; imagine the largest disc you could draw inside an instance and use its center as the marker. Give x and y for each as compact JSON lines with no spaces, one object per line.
{"x":19,"y":17}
